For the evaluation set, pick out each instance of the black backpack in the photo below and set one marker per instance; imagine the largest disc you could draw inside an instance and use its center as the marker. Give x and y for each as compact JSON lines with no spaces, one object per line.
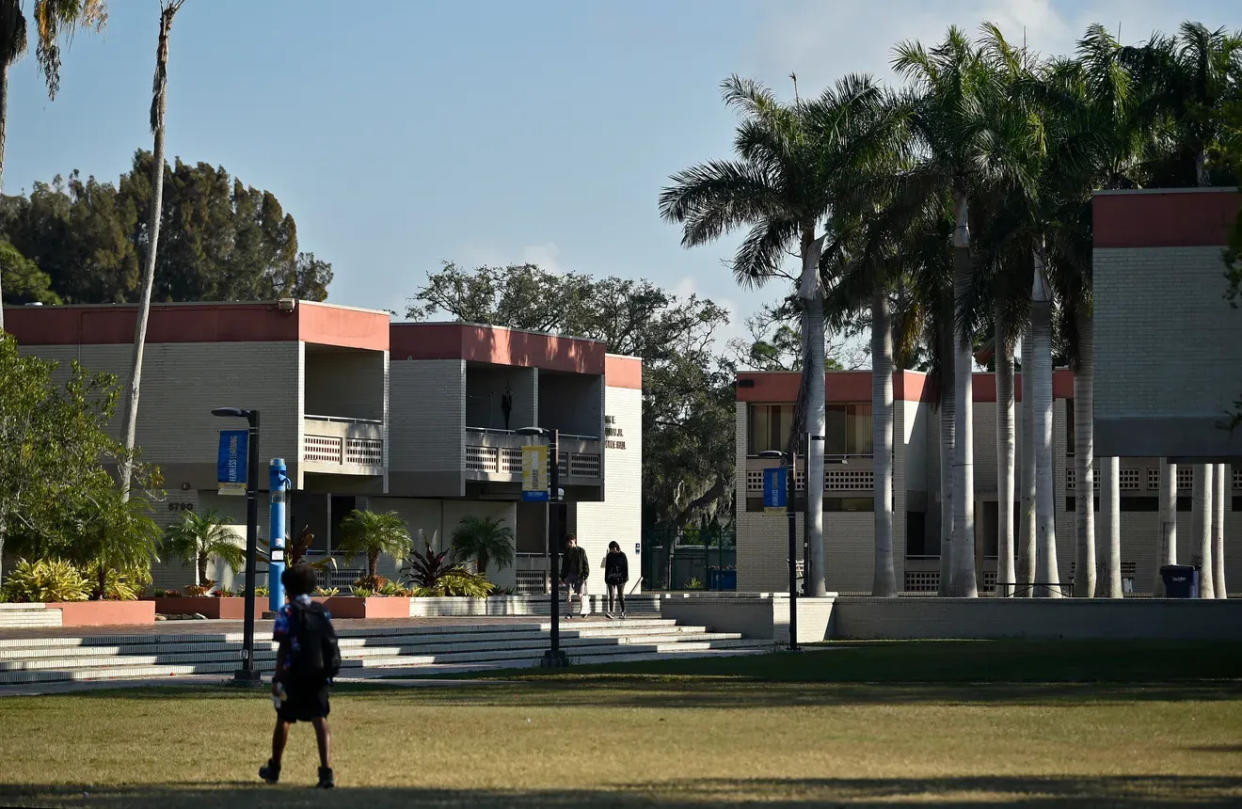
{"x":318,"y":657}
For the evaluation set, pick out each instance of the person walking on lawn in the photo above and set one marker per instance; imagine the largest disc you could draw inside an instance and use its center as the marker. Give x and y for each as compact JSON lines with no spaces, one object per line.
{"x":306,"y":661}
{"x":616,"y":573}
{"x":574,"y":571}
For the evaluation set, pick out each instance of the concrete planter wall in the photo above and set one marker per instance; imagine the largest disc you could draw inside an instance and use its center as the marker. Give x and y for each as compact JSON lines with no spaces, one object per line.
{"x":755,"y":615}
{"x":860,"y":618}
{"x":369,"y":607}
{"x":104,"y":613}
{"x":230,"y":608}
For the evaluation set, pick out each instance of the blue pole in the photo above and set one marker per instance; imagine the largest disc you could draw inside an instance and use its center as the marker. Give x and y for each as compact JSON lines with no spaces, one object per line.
{"x":277,"y":480}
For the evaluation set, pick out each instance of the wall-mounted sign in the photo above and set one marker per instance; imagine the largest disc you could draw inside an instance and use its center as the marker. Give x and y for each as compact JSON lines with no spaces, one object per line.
{"x":614,"y":436}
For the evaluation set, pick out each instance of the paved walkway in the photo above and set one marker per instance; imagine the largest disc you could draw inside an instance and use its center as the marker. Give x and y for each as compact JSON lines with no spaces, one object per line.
{"x":263,"y":627}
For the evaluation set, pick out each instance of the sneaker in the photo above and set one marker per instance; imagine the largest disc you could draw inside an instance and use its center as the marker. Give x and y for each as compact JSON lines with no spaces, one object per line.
{"x":326,"y":780}
{"x":270,"y":772}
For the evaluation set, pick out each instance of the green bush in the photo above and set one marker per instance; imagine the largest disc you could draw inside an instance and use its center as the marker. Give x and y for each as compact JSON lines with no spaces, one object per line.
{"x":327,"y":592}
{"x":119,"y":585}
{"x":360,"y":591}
{"x":458,"y":582}
{"x":44,"y":580}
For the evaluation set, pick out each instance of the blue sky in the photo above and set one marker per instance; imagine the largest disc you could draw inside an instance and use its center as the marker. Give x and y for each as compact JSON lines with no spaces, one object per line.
{"x":483,"y":132}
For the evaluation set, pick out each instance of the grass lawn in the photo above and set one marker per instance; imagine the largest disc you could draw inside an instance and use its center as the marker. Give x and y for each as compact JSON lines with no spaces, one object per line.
{"x":876,"y":725}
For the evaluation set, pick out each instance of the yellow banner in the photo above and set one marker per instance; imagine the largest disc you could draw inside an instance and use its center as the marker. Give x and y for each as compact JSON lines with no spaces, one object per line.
{"x":535,"y":468}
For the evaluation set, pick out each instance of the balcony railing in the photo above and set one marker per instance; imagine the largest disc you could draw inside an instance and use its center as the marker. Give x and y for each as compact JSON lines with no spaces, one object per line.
{"x":493,"y":454}
{"x":343,"y":445}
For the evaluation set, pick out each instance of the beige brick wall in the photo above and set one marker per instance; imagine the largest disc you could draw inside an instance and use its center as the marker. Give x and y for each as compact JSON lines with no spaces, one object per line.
{"x":427,"y":427}
{"x":619,"y":516}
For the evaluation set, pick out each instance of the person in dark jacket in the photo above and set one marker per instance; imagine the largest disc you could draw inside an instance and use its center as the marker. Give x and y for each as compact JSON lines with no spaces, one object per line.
{"x":616,"y":574}
{"x":574,"y":571}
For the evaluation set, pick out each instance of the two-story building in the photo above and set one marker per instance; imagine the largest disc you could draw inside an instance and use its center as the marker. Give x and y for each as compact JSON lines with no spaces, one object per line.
{"x":765,"y":403}
{"x":420,"y":419}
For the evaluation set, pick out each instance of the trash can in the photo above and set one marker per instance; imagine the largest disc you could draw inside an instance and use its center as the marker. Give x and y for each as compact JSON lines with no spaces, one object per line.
{"x":1180,"y":581}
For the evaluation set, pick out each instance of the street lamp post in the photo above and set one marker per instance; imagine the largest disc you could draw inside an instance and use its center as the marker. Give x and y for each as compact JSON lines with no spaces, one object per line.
{"x":792,"y":518}
{"x":248,"y":674}
{"x":554,"y":657}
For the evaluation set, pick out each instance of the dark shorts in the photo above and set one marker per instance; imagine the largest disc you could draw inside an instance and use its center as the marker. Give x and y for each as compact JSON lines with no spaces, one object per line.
{"x":573,"y":585}
{"x":305,"y":701}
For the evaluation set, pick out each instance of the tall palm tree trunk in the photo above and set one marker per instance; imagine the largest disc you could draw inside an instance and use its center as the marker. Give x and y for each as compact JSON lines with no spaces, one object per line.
{"x":948,"y":424}
{"x":1166,"y":539}
{"x":1084,"y":459}
{"x":1201,"y":525}
{"x":1004,"y":456}
{"x":159,"y":101}
{"x":1223,"y":481}
{"x":1046,"y":569}
{"x":962,"y":581}
{"x":4,"y":117}
{"x":200,"y":568}
{"x":1026,"y":529}
{"x":1110,"y":528}
{"x":813,"y":320}
{"x":885,"y":582}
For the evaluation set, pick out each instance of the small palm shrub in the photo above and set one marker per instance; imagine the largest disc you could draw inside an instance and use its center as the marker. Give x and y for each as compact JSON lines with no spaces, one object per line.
{"x":44,"y":580}
{"x":483,"y":539}
{"x":360,"y":592}
{"x":198,"y":538}
{"x":327,"y":592}
{"x":370,"y":533}
{"x":119,"y":585}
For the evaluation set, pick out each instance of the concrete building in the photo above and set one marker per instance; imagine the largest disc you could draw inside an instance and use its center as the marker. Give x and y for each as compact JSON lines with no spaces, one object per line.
{"x":765,"y":406}
{"x":415,"y":418}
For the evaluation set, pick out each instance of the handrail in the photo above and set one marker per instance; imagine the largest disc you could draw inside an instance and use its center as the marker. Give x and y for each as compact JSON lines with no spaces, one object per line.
{"x":343,"y":419}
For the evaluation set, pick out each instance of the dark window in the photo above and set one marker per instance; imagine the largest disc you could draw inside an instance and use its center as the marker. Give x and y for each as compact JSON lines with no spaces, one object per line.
{"x":916,"y":534}
{"x":1140,"y":504}
{"x":768,"y":427}
{"x":848,"y":429}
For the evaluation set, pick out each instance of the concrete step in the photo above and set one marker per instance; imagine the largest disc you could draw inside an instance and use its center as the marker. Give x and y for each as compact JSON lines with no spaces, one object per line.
{"x":494,"y":656}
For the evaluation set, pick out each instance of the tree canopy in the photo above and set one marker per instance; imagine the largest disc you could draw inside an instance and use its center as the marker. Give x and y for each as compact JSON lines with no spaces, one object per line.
{"x":220,"y":240}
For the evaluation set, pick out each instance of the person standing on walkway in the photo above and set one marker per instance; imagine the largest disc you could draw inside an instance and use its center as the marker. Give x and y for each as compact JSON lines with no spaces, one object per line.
{"x":616,"y":573}
{"x":574,"y":571}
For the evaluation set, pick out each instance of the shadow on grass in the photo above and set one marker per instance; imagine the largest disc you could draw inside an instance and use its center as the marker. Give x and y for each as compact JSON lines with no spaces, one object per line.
{"x":984,"y":792}
{"x":662,"y":693}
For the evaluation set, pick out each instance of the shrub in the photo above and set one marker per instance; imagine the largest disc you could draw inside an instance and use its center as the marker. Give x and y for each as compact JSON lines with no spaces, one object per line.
{"x":197,"y":590}
{"x":169,"y":593}
{"x":425,"y":568}
{"x":370,"y":533}
{"x":483,"y":539}
{"x":225,"y":592}
{"x":361,"y":592}
{"x":392,"y":588}
{"x":44,"y":580}
{"x":119,"y":585}
{"x":458,"y":582}
{"x":199,"y":538}
{"x":327,"y":592}
{"x":376,"y":583}
{"x":694,"y":584}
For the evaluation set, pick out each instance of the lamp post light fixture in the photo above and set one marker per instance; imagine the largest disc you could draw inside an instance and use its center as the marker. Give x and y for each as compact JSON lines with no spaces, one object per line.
{"x":554,"y":657}
{"x":248,"y":674}
{"x":791,"y":516}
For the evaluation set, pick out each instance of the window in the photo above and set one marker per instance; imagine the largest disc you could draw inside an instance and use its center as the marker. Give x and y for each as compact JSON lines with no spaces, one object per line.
{"x":769,"y":427}
{"x":848,"y":429}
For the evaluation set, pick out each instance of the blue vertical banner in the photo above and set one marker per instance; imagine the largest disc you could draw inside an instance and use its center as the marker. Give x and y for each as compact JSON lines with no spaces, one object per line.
{"x":775,"y":494}
{"x":231,"y":463}
{"x":278,"y":482}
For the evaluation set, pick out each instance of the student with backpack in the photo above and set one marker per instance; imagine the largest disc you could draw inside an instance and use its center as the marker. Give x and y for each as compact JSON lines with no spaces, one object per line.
{"x":306,"y":661}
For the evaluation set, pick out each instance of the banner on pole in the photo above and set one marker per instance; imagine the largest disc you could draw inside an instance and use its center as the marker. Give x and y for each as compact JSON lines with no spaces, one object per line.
{"x":232,"y":461}
{"x":775,"y":494}
{"x":535,"y":473}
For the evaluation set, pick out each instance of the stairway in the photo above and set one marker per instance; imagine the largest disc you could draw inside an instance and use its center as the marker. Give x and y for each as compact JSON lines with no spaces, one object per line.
{"x":365,"y":652}
{"x":20,"y":616}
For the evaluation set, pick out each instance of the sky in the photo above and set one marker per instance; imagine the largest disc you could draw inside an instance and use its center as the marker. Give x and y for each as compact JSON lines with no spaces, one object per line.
{"x":401,"y":134}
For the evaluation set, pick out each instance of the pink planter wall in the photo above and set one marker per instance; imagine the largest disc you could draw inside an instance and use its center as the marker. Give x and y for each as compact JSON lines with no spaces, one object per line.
{"x":104,"y":613}
{"x":231,"y":608}
{"x":371,"y":607}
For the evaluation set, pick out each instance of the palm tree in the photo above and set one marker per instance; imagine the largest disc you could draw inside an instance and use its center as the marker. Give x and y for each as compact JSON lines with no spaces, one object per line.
{"x":1218,"y":530}
{"x":1110,"y":529}
{"x":199,"y":538}
{"x":483,"y":539}
{"x":159,"y":103}
{"x":370,"y":533}
{"x":1201,"y":522}
{"x":1025,"y":566}
{"x":795,"y":161}
{"x":53,"y":19}
{"x":953,"y":80}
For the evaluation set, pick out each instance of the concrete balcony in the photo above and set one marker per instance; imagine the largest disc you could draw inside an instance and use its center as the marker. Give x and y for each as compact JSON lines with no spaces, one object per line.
{"x":496,"y":455}
{"x":856,"y":474}
{"x":343,"y":446}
